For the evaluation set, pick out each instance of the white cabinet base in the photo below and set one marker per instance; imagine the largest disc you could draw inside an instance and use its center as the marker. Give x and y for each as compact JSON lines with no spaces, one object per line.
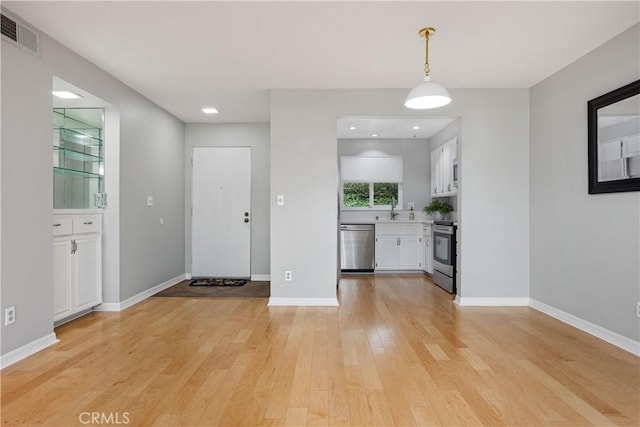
{"x":77,"y":265}
{"x":398,"y":247}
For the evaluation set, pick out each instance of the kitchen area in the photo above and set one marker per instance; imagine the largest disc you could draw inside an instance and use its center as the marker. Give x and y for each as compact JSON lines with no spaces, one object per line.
{"x":399,"y":197}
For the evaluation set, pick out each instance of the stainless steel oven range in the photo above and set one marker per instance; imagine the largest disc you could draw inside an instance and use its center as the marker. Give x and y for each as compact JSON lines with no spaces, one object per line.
{"x":444,"y":255}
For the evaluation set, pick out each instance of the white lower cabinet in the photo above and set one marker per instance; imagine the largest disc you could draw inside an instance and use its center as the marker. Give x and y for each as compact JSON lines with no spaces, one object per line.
{"x":399,"y":247}
{"x":386,"y":252}
{"x":77,"y":265}
{"x":428,"y":250}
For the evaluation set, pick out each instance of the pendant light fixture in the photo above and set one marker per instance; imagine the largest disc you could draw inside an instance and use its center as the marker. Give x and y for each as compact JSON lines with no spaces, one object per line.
{"x":427,"y":94}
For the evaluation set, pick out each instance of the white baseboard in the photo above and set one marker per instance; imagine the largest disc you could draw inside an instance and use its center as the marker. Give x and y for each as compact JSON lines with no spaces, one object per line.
{"x":254,"y":277}
{"x":591,"y":328}
{"x":27,"y":350}
{"x":312,"y":302}
{"x":115,"y":306}
{"x":108,"y":306}
{"x":491,"y":301}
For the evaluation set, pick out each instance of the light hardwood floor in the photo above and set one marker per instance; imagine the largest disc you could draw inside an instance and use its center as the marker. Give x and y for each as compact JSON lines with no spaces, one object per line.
{"x":396,"y":352}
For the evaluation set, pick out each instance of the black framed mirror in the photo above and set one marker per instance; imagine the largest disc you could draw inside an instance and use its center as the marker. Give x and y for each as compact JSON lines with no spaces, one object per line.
{"x":614,"y":140}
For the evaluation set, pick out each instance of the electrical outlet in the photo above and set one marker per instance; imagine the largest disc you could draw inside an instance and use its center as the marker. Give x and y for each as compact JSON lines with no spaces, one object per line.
{"x":287,"y":276}
{"x":411,"y":205}
{"x":638,"y":309}
{"x":9,"y":315}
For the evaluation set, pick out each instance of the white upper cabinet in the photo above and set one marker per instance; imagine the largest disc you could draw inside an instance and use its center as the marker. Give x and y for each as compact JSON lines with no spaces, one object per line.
{"x":442,"y":160}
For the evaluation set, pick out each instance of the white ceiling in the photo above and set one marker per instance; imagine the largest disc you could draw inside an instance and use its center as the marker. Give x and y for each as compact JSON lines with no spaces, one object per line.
{"x":186,"y":55}
{"x":389,"y":127}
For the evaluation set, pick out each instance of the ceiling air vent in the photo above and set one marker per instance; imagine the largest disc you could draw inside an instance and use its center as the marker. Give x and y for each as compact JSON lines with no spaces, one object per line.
{"x":20,"y":34}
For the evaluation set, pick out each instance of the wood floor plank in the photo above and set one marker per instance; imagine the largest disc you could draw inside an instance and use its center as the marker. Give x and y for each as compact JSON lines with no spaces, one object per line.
{"x":397,"y":351}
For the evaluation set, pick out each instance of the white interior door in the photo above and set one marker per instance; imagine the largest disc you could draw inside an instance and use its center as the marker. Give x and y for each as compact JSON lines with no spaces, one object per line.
{"x":221,"y":221}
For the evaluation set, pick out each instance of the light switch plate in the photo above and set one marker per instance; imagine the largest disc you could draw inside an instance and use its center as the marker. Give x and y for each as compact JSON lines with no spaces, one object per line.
{"x":149,"y":200}
{"x":280,"y":200}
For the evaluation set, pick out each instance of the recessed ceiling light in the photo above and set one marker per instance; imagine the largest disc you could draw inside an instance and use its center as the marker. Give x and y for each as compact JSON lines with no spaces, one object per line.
{"x":374,"y":135}
{"x":209,"y":110}
{"x":352,"y":128}
{"x":65,"y":94}
{"x":416,"y":127}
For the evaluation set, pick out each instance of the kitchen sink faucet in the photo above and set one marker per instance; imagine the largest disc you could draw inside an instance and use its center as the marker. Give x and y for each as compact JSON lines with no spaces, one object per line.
{"x":394,"y":214}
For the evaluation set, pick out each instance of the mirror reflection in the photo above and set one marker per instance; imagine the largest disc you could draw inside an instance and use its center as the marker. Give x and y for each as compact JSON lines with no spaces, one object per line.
{"x":619,"y":140}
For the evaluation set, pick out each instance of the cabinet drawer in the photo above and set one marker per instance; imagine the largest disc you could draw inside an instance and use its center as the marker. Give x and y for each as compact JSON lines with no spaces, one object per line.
{"x":62,"y":225}
{"x":87,"y":224}
{"x":398,"y":229}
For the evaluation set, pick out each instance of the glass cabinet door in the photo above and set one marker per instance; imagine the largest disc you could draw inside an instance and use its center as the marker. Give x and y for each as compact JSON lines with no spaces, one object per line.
{"x":78,"y":157}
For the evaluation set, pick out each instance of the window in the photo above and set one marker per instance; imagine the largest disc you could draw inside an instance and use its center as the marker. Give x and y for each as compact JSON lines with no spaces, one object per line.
{"x":367,"y":195}
{"x":371,"y":182}
{"x":356,"y":195}
{"x":385,"y":193}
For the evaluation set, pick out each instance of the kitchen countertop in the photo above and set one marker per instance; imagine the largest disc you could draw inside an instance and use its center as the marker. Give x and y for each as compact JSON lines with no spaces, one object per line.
{"x":386,"y":221}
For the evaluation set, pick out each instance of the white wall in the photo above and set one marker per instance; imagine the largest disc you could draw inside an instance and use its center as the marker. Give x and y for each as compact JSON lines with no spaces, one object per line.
{"x":151,"y":163}
{"x":256,"y":136}
{"x":585,"y":249}
{"x":495,"y":128}
{"x":416,"y":166}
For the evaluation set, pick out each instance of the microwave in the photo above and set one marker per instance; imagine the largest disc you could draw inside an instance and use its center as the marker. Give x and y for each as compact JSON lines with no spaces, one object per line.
{"x":455,"y":173}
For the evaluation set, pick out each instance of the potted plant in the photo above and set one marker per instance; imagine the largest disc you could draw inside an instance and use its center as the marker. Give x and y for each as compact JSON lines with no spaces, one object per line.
{"x":438,"y":209}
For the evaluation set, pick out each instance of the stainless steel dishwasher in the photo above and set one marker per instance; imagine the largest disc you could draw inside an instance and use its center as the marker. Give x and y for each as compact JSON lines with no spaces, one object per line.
{"x":357,"y":247}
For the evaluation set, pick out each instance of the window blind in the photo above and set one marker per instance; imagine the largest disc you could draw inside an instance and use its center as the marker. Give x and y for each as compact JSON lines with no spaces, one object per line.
{"x":371,"y":169}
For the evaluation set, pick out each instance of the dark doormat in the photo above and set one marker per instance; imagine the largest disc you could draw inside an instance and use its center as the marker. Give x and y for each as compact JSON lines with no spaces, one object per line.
{"x":250,"y":290}
{"x":205,"y":281}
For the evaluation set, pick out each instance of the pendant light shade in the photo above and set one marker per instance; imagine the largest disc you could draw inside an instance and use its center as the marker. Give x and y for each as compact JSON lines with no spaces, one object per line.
{"x":427,"y":94}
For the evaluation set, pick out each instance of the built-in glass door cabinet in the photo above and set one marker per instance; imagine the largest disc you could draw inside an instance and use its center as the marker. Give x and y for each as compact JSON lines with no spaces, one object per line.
{"x":78,"y":157}
{"x":442,"y":161}
{"x":78,"y":176}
